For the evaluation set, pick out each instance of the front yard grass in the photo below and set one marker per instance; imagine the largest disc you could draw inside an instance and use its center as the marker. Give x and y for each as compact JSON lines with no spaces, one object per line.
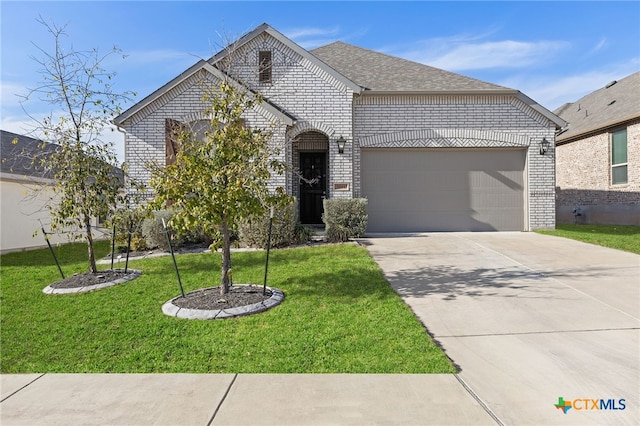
{"x":619,"y":237}
{"x":339,"y":316}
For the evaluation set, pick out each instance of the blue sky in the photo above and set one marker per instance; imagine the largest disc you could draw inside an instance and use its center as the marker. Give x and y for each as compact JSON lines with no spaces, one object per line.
{"x":553,"y":51}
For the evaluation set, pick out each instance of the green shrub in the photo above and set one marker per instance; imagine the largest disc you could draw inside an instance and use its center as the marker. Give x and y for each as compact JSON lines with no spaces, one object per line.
{"x":285,"y":229}
{"x":344,"y":218}
{"x":122,"y":220}
{"x":153,"y":232}
{"x":302,"y":234}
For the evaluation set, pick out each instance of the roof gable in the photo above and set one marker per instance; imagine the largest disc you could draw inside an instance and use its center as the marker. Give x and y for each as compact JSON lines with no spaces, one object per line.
{"x":606,"y":107}
{"x":199,"y":66}
{"x":265,"y":28}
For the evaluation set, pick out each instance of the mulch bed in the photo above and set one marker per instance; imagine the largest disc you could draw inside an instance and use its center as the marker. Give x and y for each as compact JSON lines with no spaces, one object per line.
{"x":87,"y":279}
{"x":210,"y":298}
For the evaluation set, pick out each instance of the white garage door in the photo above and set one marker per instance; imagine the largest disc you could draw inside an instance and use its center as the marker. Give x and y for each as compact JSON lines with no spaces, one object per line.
{"x":426,"y":190}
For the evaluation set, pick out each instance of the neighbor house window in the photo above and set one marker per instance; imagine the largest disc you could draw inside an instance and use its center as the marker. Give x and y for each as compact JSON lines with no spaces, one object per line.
{"x":264,"y":66}
{"x":619,"y":157}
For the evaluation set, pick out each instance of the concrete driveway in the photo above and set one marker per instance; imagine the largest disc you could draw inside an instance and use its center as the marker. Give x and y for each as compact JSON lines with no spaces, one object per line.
{"x":528,"y":319}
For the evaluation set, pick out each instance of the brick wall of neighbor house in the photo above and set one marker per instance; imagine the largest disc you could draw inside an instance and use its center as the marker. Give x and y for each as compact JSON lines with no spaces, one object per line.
{"x":584,"y":181}
{"x":466,"y":121}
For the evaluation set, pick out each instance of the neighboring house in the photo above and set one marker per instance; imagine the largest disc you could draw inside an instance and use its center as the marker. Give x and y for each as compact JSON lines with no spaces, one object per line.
{"x":25,"y":192}
{"x":598,"y":156}
{"x":431,"y":150}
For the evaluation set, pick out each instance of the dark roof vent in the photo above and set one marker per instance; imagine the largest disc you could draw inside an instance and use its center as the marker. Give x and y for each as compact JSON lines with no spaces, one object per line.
{"x":610,"y":84}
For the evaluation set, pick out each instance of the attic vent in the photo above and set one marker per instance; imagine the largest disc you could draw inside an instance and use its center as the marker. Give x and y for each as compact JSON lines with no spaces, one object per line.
{"x":612,"y":102}
{"x":610,"y":84}
{"x":264,"y":66}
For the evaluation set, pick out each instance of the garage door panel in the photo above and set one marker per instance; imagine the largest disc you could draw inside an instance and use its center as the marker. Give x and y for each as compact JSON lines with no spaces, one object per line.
{"x":421,"y":190}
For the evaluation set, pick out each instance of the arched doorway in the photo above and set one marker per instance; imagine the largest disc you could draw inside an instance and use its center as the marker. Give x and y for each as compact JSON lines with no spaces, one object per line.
{"x":311,"y":174}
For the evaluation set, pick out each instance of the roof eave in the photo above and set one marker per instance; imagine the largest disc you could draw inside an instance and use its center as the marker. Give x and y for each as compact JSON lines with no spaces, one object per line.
{"x":441,"y":92}
{"x":133,"y":110}
{"x":197,"y":67}
{"x":265,"y":104}
{"x":559,"y":122}
{"x":569,"y":137}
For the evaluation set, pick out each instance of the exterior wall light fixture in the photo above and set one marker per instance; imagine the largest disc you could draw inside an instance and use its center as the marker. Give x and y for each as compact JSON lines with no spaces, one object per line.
{"x":341,"y":144}
{"x":544,"y":146}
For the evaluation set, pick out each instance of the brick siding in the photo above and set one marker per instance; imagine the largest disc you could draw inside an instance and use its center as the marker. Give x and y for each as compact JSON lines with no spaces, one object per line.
{"x":583,"y":179}
{"x":325,"y":109}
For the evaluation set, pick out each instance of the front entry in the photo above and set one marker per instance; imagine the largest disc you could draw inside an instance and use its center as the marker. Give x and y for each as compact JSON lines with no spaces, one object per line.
{"x":313,"y":186}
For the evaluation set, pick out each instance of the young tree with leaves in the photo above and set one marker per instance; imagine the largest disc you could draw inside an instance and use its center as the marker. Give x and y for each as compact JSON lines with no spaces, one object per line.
{"x":221,"y":178}
{"x":83,"y":166}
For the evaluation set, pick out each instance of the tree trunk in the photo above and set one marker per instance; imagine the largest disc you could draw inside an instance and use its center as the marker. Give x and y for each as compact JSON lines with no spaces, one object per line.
{"x":226,"y":258}
{"x":92,"y":256}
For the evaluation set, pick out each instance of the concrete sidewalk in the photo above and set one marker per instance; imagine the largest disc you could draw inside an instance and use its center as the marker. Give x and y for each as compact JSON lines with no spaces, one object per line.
{"x":245,"y":399}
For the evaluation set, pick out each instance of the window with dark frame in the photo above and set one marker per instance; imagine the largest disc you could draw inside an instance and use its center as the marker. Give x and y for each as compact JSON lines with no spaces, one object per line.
{"x":619,"y":157}
{"x":264,"y":66}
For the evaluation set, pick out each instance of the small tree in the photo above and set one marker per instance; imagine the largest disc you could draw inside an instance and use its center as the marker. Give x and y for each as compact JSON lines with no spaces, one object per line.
{"x":221,"y":178}
{"x":83,"y":166}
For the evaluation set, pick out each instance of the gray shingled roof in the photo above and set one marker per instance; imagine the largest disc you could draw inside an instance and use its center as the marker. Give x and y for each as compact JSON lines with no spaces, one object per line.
{"x":17,"y":157}
{"x":384,"y":73}
{"x":604,"y":108}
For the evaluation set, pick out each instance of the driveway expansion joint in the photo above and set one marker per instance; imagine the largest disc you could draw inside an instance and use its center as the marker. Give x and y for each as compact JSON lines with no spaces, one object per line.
{"x":478,"y":400}
{"x":23,"y":387}
{"x":235,"y":376}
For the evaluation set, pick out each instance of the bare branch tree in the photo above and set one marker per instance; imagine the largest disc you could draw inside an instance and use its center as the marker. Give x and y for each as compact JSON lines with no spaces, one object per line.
{"x":83,"y":166}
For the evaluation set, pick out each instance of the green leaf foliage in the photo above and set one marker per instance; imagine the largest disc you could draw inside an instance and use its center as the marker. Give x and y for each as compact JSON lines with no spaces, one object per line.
{"x":220,"y":176}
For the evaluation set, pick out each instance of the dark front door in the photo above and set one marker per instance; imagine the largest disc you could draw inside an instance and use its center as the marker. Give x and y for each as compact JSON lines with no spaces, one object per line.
{"x":313,"y":186}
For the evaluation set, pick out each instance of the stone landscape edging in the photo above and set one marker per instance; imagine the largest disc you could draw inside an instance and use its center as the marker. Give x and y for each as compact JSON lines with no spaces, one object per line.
{"x":169,"y":309}
{"x":133,"y":274}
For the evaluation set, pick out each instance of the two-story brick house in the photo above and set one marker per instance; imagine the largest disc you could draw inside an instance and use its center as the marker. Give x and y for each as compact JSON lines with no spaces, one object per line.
{"x":431,"y":150}
{"x":598,"y":156}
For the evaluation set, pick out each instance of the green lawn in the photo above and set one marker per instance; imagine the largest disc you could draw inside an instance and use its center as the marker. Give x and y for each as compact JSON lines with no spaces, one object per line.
{"x":619,"y":237}
{"x":339,"y":316}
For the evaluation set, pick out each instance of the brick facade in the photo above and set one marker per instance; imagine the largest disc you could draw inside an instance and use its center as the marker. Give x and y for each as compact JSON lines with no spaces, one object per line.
{"x":325,"y":108}
{"x":464,"y":122}
{"x":583,"y":180}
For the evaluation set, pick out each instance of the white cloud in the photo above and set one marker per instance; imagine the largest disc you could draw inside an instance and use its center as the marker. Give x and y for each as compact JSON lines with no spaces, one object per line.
{"x":602,"y":43}
{"x":298,"y":33}
{"x":11,"y":94}
{"x":310,"y":37}
{"x":468,"y":53}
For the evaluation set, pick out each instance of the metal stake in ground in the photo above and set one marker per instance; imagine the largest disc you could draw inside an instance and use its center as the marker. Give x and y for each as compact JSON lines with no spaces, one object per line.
{"x":113,"y":244}
{"x":51,"y":248}
{"x":175,"y":265}
{"x":126,"y":263}
{"x":266,"y":266}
